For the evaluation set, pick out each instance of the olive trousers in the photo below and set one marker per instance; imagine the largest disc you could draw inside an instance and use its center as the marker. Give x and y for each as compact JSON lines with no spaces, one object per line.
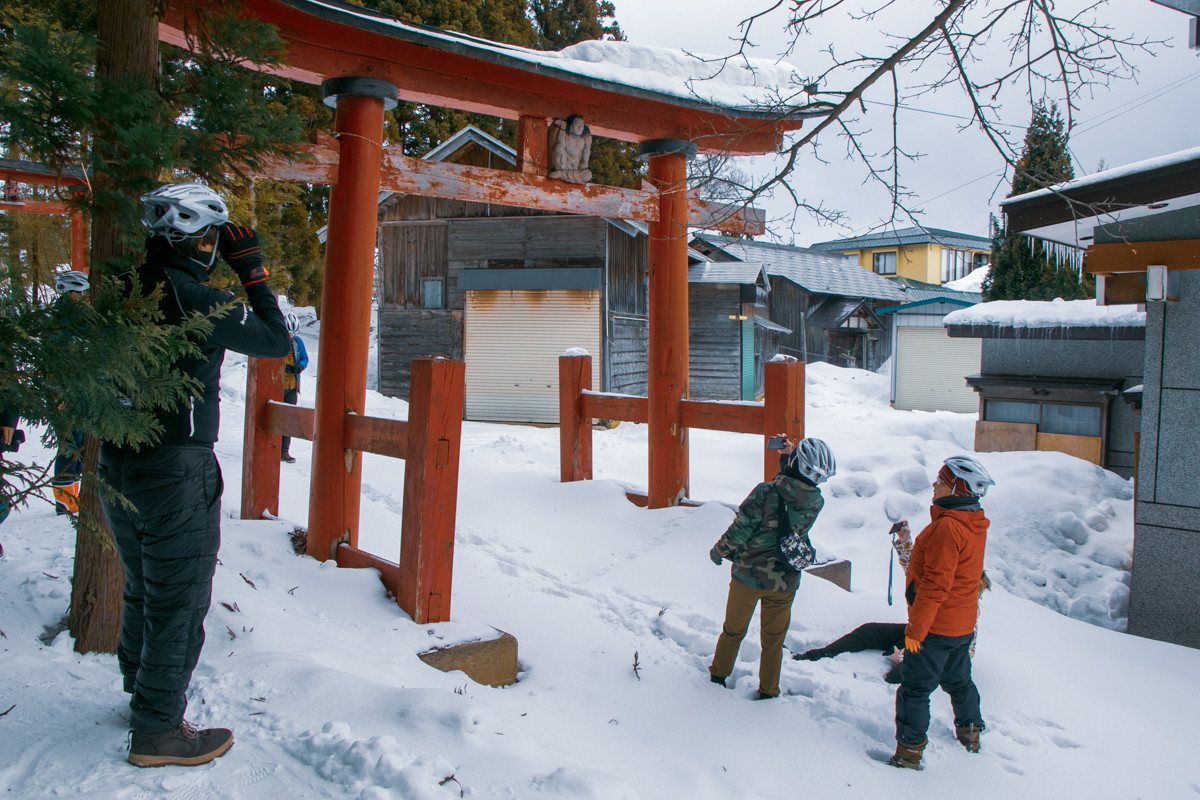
{"x":774,"y":622}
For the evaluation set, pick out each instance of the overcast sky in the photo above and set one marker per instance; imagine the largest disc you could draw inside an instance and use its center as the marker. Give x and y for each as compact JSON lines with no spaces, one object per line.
{"x":958,"y":181}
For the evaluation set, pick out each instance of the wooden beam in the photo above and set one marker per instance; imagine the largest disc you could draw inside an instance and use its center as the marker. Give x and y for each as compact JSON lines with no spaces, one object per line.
{"x":718,"y":416}
{"x":625,"y":408}
{"x":1124,"y":288}
{"x":36,"y":207}
{"x":1107,"y":259}
{"x":289,"y":420}
{"x":574,"y":423}
{"x":318,"y":163}
{"x":260,"y":456}
{"x":349,"y":557}
{"x":385,"y":437}
{"x":29,"y":172}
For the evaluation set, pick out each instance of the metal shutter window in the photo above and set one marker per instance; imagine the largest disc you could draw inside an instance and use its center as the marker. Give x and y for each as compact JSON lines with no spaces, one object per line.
{"x":931,"y":368}
{"x":512,"y":340}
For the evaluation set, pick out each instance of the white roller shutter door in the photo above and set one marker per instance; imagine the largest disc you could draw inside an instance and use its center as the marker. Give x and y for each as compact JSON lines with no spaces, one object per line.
{"x":930,"y":370}
{"x":512,"y":340}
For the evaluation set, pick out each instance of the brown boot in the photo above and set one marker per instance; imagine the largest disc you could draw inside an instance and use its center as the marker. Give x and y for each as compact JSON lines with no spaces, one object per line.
{"x":183,"y":746}
{"x":908,"y":756}
{"x":968,"y":737}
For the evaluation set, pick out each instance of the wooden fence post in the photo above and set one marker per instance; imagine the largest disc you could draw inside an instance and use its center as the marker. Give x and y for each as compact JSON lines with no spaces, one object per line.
{"x":574,"y":429}
{"x":783,"y":407}
{"x":435,"y":411}
{"x":260,"y":454}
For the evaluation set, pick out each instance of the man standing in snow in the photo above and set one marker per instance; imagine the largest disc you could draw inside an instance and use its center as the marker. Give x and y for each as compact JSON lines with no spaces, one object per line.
{"x":942,"y":591}
{"x":790,"y":502}
{"x":168,"y":540}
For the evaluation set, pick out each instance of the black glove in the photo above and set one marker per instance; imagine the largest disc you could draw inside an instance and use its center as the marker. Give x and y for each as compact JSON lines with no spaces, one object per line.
{"x":716,"y":555}
{"x":239,"y":247}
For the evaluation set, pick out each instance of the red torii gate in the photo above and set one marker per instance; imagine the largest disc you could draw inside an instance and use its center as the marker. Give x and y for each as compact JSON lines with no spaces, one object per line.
{"x":73,"y":179}
{"x":365,"y":62}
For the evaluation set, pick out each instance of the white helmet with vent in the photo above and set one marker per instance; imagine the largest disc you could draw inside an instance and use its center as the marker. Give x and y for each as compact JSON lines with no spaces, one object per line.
{"x":181,"y":211}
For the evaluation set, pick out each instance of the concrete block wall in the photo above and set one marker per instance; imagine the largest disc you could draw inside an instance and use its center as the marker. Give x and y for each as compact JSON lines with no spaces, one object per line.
{"x":1164,"y":600}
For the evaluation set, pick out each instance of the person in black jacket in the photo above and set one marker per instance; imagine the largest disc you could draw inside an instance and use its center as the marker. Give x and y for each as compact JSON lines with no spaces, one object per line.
{"x":168,"y":541}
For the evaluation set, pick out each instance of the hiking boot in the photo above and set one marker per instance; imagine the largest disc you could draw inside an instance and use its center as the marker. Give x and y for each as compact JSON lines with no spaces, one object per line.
{"x":809,"y":655}
{"x":764,"y":696}
{"x":968,"y":737}
{"x":184,"y":746}
{"x":285,"y":458}
{"x":718,"y":679}
{"x":908,"y":756}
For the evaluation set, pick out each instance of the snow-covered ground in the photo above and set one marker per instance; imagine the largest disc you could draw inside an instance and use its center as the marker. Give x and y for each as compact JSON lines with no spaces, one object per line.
{"x":317,"y":671}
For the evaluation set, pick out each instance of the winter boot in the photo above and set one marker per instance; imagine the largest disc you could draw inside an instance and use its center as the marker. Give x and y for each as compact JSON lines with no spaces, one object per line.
{"x":718,"y":679}
{"x":287,"y":459}
{"x":968,"y":737}
{"x":908,"y":756}
{"x":184,"y":746}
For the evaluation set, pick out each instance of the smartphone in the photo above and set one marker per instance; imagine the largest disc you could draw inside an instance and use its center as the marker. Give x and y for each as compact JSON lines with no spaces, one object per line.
{"x":777,"y":443}
{"x":896,"y":528}
{"x":17,"y":439}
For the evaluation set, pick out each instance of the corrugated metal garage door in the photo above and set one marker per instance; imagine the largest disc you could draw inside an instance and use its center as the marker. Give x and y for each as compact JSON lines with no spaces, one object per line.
{"x":930,"y":370}
{"x":511,"y":344}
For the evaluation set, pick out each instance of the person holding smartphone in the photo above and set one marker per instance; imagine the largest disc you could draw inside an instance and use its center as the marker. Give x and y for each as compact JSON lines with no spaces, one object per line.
{"x":791,"y":501}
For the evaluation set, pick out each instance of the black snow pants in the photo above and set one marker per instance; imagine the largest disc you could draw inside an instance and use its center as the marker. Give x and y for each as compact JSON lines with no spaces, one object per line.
{"x":881,"y":636}
{"x":168,"y":546}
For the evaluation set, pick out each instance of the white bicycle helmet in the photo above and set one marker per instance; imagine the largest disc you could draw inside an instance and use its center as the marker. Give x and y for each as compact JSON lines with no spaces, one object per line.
{"x":71,"y":281}
{"x":292,"y":322}
{"x":971,"y":472}
{"x":813,"y":459}
{"x":180,"y":211}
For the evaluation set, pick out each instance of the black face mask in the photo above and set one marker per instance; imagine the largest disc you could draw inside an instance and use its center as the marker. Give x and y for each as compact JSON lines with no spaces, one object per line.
{"x":185,"y":253}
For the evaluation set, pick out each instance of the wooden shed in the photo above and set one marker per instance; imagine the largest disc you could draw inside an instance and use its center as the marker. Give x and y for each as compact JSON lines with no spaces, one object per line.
{"x":508,"y":290}
{"x":730,"y":335}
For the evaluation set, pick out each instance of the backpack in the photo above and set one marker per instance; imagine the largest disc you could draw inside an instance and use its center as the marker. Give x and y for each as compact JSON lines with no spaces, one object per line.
{"x":794,"y":549}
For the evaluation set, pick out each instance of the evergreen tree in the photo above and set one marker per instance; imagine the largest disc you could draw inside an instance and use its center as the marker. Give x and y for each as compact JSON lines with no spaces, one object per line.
{"x":1022,"y":267}
{"x":85,"y":83}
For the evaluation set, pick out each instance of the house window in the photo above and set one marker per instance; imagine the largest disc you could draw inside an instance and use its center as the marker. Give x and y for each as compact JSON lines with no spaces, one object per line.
{"x":1071,"y":420}
{"x":884,"y":263}
{"x":981,"y":260}
{"x":433,"y":293}
{"x":956,"y":264}
{"x":1010,"y":411}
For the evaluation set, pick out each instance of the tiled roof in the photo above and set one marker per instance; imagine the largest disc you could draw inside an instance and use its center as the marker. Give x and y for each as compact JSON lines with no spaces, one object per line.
{"x":908,"y":236}
{"x":812,"y":270}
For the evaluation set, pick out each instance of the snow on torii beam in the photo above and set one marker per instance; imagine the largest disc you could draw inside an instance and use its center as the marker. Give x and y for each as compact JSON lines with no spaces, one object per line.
{"x":451,"y":70}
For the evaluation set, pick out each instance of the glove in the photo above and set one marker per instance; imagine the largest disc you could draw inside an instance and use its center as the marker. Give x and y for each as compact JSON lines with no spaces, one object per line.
{"x":912,"y":645}
{"x":716,"y":555}
{"x":239,"y":247}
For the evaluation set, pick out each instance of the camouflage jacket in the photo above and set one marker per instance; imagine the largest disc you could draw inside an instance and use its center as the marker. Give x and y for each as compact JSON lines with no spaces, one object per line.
{"x":750,"y":540}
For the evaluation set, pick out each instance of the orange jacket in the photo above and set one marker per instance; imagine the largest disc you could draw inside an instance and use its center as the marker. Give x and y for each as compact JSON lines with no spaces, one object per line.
{"x":944,"y":572}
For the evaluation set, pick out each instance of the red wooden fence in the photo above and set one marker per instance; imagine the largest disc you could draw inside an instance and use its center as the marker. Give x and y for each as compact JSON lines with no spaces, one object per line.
{"x":429,"y":441}
{"x":782,"y":411}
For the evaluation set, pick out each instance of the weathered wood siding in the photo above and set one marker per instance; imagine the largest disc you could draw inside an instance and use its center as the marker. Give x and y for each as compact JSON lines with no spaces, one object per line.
{"x":408,"y":253}
{"x":550,"y":241}
{"x":788,"y":304}
{"x":766,"y":347}
{"x":408,"y":334}
{"x":715,"y":359}
{"x":626,"y":282}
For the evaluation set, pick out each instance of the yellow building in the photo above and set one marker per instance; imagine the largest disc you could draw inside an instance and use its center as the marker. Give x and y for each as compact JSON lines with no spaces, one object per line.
{"x":923,"y":254}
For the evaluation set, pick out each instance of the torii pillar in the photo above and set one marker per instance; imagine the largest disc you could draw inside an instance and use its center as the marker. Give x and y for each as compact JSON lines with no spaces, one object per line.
{"x":345,"y":308}
{"x":667,"y":379}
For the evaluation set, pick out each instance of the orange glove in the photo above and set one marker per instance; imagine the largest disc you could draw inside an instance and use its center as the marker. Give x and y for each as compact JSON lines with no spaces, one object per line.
{"x":912,"y":645}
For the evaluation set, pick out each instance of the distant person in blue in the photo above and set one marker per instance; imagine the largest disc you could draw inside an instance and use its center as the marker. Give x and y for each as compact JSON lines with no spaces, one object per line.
{"x":293,"y":365}
{"x":8,"y":427}
{"x":68,"y":464}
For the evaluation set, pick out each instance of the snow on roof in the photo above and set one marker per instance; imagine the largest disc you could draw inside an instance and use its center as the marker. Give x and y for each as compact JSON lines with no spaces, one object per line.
{"x":744,"y":84}
{"x":1137,"y":167}
{"x":973,"y":282}
{"x":1057,"y":313}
